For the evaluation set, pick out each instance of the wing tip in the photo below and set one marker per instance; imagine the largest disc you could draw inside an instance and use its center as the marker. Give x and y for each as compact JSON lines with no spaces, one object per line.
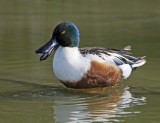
{"x":139,"y":63}
{"x":127,"y":48}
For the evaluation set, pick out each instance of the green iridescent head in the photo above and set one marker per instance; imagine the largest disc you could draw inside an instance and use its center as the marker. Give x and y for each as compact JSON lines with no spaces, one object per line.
{"x":65,"y":34}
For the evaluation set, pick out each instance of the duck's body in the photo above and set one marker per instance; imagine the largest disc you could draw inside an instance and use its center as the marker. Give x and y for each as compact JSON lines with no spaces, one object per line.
{"x":91,"y":67}
{"x":87,"y":67}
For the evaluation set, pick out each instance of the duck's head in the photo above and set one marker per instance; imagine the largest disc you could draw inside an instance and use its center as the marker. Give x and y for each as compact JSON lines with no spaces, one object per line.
{"x":65,"y":34}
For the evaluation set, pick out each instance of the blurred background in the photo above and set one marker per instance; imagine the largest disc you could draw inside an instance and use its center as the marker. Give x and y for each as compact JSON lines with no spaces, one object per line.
{"x":29,"y":92}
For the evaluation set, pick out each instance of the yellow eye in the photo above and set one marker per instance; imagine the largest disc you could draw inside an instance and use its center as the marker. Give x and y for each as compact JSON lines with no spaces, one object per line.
{"x":63,"y":32}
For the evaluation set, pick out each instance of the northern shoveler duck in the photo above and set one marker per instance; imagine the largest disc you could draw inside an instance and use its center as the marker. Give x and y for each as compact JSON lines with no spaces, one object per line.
{"x":86,"y":67}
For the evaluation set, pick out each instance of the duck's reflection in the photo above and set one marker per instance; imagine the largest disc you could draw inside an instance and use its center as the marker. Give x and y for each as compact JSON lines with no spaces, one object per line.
{"x":95,"y":105}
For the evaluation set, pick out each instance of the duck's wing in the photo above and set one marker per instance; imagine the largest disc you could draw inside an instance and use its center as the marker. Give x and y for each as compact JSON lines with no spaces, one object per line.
{"x":119,"y":57}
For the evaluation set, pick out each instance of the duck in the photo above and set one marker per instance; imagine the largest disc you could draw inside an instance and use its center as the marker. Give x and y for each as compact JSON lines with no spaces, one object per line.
{"x":89,"y":67}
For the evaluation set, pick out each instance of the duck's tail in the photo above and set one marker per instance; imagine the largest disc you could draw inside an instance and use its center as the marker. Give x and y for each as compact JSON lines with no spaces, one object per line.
{"x":130,"y":62}
{"x":139,"y":63}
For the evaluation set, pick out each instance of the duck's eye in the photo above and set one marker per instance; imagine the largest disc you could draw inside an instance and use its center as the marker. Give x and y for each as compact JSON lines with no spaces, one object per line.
{"x":63,"y":32}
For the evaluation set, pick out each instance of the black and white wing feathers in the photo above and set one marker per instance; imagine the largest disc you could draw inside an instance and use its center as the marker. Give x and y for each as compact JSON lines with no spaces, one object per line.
{"x":120,"y":57}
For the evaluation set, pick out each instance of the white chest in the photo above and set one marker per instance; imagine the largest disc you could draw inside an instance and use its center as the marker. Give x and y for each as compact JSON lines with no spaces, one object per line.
{"x":69,"y":64}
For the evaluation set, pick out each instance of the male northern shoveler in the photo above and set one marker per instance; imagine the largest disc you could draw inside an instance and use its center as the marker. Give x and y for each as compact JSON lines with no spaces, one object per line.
{"x":86,"y":67}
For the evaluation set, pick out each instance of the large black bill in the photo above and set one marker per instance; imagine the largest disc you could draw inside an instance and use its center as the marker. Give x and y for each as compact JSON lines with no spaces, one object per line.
{"x":47,"y":49}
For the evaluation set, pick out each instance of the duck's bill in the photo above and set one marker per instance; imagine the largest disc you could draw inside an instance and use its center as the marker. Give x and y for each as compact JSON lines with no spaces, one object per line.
{"x":47,"y":49}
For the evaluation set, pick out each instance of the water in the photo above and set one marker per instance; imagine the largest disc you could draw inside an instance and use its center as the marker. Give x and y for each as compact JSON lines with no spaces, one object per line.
{"x":30,"y":93}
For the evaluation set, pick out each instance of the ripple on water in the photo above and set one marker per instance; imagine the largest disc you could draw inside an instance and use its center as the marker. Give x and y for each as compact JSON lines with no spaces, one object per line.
{"x":104,"y":105}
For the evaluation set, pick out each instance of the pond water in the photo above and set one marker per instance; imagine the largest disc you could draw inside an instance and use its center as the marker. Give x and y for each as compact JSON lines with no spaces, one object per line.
{"x":29,"y":92}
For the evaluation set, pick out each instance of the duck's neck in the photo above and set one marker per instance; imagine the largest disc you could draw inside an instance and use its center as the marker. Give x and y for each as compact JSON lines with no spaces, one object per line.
{"x":69,"y":64}
{"x":69,"y":53}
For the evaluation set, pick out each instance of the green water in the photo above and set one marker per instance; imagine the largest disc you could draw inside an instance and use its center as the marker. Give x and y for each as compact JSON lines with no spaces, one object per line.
{"x":29,"y":93}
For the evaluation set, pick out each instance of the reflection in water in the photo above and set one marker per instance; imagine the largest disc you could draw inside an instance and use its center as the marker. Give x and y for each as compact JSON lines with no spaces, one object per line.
{"x":103,"y":107}
{"x":63,"y":105}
